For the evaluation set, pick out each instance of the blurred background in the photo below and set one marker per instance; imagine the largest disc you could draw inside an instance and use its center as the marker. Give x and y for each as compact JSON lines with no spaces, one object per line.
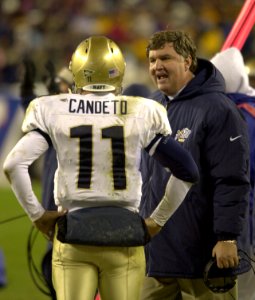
{"x":51,"y":29}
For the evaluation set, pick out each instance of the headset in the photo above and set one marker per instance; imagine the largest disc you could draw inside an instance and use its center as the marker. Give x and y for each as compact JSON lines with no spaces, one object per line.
{"x":228,"y":279}
{"x":219,"y":286}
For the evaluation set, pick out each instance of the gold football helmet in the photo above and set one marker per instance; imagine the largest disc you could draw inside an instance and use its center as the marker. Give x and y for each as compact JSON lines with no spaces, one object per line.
{"x":98,"y":65}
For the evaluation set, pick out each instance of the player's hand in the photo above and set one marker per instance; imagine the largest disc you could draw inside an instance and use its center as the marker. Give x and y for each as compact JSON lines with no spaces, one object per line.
{"x":28,"y":79}
{"x":49,"y":66}
{"x":226,"y":254}
{"x":46,"y":224}
{"x":50,"y":81}
{"x":29,"y":72}
{"x":152,"y":227}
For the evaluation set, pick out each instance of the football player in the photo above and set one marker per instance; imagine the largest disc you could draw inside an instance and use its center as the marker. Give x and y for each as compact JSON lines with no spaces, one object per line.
{"x":98,"y":135}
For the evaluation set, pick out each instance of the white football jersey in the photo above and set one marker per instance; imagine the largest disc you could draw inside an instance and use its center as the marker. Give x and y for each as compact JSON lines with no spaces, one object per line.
{"x":98,"y":139}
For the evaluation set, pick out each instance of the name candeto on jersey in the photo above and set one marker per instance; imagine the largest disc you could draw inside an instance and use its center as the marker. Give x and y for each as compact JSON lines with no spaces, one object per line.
{"x":82,"y":106}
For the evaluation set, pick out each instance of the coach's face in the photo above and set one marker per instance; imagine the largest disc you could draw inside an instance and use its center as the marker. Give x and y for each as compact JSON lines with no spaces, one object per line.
{"x":168,"y":69}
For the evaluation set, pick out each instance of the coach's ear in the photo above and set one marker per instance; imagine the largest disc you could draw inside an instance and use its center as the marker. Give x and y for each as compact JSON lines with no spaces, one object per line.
{"x":187,"y":63}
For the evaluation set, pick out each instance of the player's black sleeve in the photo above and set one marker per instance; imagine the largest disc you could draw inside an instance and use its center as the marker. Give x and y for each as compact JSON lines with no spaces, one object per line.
{"x":50,"y":78}
{"x":27,"y":85}
{"x":174,"y":157}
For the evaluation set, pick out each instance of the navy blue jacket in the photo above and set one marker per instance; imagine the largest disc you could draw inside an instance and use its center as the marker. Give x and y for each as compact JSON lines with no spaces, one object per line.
{"x":207,"y":123}
{"x":247,"y":106}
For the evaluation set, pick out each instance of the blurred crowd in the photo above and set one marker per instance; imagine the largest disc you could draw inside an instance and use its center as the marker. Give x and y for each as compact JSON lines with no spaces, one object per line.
{"x":51,"y":29}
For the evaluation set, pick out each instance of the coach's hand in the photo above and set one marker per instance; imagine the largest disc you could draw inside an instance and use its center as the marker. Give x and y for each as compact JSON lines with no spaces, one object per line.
{"x":46,"y":224}
{"x":152,"y":227}
{"x":226,"y":254}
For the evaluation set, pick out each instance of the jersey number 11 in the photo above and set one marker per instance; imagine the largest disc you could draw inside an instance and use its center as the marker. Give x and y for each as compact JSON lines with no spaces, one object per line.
{"x":115,"y":133}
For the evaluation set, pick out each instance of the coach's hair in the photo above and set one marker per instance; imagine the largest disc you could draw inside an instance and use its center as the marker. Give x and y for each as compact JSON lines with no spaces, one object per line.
{"x":182,"y":43}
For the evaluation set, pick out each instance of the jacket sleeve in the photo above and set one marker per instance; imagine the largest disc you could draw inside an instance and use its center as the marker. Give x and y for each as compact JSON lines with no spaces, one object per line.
{"x":226,"y":150}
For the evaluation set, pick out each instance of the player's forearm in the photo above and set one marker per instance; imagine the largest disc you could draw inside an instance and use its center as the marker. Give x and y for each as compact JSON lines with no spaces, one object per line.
{"x":16,"y":165}
{"x":176,"y":191}
{"x":21,"y":186}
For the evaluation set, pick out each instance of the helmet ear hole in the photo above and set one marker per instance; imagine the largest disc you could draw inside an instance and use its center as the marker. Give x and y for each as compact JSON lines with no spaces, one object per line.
{"x":98,"y":65}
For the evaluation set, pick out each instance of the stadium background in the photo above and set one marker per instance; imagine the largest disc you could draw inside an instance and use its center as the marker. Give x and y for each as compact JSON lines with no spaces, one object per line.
{"x":50,"y":30}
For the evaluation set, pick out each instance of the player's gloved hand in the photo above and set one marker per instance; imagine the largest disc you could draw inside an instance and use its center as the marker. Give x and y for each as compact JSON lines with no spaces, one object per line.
{"x":27,"y":83}
{"x":152,"y":227}
{"x":50,"y":78}
{"x":46,"y":224}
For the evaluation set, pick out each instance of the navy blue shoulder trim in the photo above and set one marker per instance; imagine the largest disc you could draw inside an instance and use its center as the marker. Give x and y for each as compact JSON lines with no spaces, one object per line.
{"x":45,"y":135}
{"x":157,"y":137}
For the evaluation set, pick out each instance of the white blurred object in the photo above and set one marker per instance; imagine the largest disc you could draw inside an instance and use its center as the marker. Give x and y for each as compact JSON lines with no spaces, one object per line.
{"x":231,"y":65}
{"x":65,"y":75}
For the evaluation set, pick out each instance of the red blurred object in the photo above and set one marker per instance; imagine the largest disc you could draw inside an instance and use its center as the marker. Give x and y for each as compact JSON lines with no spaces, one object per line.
{"x":97,"y":297}
{"x":242,"y":26}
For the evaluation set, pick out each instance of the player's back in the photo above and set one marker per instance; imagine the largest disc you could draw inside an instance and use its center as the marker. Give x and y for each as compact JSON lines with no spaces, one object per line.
{"x":98,"y":139}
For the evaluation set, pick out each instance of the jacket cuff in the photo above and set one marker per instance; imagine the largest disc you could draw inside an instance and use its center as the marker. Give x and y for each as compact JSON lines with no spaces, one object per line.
{"x":226,"y":236}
